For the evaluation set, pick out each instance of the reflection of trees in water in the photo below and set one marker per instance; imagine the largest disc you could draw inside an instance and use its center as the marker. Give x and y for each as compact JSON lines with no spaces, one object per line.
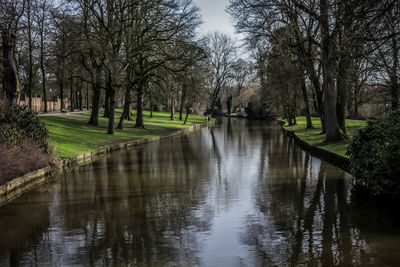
{"x":229,"y":129}
{"x":23,"y":218}
{"x":139,"y":207}
{"x":303,"y":213}
{"x":148,"y":206}
{"x":156,"y":217}
{"x":230,"y":141}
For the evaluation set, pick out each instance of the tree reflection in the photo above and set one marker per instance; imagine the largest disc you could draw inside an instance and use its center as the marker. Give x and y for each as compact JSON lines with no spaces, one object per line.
{"x":24,"y":218}
{"x":140,"y":207}
{"x":304,"y":214}
{"x":160,"y":204}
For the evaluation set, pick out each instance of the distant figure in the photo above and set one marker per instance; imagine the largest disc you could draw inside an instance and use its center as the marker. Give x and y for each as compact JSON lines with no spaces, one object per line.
{"x":208,"y":117}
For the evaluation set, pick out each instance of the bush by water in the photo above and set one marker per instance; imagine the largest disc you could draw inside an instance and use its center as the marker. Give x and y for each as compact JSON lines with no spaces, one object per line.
{"x":23,"y":142}
{"x":375,"y":156}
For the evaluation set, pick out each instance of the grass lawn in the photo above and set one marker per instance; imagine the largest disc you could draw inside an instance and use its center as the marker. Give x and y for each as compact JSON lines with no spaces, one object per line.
{"x":71,"y":135}
{"x":234,"y":115}
{"x":315,"y":138}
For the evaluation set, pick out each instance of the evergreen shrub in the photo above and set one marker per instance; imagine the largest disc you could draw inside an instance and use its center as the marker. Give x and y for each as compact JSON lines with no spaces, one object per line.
{"x":375,"y":156}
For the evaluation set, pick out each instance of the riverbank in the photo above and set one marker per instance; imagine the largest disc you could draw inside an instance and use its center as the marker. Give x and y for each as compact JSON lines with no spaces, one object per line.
{"x":78,"y":143}
{"x":71,"y":135}
{"x":314,"y":137}
{"x":313,"y":141}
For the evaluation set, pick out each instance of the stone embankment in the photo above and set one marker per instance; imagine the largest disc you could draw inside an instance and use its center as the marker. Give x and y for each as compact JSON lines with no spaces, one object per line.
{"x":18,"y":186}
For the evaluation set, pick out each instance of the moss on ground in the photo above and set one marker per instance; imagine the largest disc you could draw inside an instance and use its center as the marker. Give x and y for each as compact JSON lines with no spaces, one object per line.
{"x":71,"y":135}
{"x":315,"y":138}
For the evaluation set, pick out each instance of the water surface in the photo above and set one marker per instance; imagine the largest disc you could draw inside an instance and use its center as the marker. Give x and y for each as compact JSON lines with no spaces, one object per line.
{"x":237,"y":194}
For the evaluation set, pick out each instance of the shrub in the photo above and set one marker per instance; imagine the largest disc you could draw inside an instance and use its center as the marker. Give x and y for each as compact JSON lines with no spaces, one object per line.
{"x":19,"y":160}
{"x":375,"y":155}
{"x":19,"y":124}
{"x":23,"y":143}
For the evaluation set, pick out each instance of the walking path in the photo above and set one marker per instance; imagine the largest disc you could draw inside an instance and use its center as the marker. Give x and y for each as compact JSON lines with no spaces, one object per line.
{"x":58,"y":113}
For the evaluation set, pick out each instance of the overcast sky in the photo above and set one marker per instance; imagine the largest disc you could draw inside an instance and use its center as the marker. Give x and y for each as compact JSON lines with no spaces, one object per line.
{"x":214,"y":16}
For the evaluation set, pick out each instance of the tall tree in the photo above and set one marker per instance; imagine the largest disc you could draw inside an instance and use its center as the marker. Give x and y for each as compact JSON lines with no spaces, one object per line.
{"x":221,"y":51}
{"x":10,"y":14}
{"x":42,"y":22}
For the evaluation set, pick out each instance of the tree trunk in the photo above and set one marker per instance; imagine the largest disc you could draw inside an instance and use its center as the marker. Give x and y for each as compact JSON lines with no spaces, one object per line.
{"x":10,"y":77}
{"x":43,"y":70}
{"x":182,"y":103}
{"x":112,"y":112}
{"x":151,"y":105}
{"x":71,"y":96}
{"x":126,"y":111}
{"x":62,"y":84}
{"x":345,"y":63}
{"x":121,"y":120}
{"x":94,"y":117}
{"x":107,"y":101}
{"x":187,"y":115}
{"x":128,"y":115}
{"x":139,"y":108}
{"x":328,"y":49}
{"x":87,"y":97}
{"x":80,"y":96}
{"x":305,"y":98}
{"x":214,"y":100}
{"x":342,"y":89}
{"x":30,"y":48}
{"x":76,"y":97}
{"x":172,"y":107}
{"x":331,"y":123}
{"x":42,"y":67}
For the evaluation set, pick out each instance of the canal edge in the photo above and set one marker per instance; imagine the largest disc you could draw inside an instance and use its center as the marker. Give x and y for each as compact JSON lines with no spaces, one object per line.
{"x":334,"y":159}
{"x":18,"y":186}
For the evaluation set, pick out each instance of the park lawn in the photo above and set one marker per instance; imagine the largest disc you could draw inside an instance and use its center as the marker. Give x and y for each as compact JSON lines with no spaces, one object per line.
{"x":71,"y":135}
{"x":315,"y":138}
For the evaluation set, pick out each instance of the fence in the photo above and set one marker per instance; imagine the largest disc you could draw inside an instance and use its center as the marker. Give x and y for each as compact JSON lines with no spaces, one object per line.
{"x":38,"y":104}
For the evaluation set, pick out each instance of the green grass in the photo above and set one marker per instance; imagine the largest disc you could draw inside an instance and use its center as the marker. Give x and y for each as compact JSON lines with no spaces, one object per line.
{"x":233,"y":115}
{"x":315,"y":138}
{"x":71,"y":135}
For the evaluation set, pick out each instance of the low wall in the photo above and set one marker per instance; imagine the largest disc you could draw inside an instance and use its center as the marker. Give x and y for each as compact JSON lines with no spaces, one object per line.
{"x":335,"y":159}
{"x":18,"y":186}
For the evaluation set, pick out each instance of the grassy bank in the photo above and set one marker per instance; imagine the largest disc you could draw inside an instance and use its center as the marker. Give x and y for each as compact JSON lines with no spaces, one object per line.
{"x":315,"y":138}
{"x":71,"y":135}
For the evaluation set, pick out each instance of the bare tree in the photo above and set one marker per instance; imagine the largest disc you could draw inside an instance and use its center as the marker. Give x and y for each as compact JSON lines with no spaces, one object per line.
{"x":384,"y":41}
{"x":193,"y":86}
{"x":221,"y":51}
{"x":328,"y":36}
{"x":43,"y":25}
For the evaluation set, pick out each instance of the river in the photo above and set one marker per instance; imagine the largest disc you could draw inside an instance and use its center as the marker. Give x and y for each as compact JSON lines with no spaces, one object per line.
{"x":237,"y":194}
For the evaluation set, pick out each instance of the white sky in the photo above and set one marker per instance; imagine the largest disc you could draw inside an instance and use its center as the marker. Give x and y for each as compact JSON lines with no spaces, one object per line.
{"x":214,"y":16}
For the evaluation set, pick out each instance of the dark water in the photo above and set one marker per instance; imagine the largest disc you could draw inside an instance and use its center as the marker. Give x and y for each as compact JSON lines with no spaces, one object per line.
{"x":239,"y":194}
